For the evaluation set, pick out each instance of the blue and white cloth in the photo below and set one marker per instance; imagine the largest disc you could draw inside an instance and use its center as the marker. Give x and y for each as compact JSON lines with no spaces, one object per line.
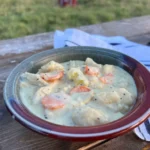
{"x":143,"y":130}
{"x":74,"y":37}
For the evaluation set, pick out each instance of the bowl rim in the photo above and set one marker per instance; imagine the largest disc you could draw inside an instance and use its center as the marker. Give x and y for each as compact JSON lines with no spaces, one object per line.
{"x":79,"y":132}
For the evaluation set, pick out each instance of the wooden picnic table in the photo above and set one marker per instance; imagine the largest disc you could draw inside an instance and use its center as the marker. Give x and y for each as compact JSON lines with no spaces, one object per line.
{"x":14,"y":136}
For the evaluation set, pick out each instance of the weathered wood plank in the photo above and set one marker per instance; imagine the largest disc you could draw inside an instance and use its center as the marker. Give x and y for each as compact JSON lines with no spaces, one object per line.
{"x":27,"y":44}
{"x":8,"y":62}
{"x":127,"y":28}
{"x":124,"y":142}
{"x":16,"y":137}
{"x":141,"y":39}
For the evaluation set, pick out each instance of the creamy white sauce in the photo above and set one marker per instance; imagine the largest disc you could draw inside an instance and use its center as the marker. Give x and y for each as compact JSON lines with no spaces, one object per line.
{"x":105,"y":102}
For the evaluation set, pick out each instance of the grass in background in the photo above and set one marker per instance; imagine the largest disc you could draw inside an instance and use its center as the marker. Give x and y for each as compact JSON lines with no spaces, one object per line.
{"x":24,"y":17}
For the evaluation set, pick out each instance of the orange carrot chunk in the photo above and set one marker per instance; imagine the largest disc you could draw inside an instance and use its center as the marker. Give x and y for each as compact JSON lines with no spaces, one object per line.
{"x":107,"y":79}
{"x":80,"y":89}
{"x":92,"y":71}
{"x":52,"y":103}
{"x":52,"y":76}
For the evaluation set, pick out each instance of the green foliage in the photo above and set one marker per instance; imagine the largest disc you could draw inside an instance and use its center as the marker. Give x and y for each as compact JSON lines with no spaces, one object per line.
{"x":25,"y":17}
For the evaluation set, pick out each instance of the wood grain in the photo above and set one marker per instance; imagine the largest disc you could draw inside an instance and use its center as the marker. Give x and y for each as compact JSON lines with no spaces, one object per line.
{"x":126,"y":142}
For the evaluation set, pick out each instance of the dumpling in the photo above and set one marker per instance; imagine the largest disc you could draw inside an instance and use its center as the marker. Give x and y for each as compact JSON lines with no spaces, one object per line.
{"x":41,"y":92}
{"x":87,"y":116}
{"x":76,"y":64}
{"x":125,"y":96}
{"x":117,"y":100}
{"x":90,"y":62}
{"x":118,"y":107}
{"x":78,"y":77}
{"x":124,"y":101}
{"x":107,"y":97}
{"x":108,"y":69}
{"x":94,"y":82}
{"x":51,"y":66}
{"x":79,"y":99}
{"x":34,"y":79}
{"x":60,"y":115}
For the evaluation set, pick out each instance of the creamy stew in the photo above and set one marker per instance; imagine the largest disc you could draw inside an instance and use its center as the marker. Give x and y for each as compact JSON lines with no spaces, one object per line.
{"x":78,"y":93}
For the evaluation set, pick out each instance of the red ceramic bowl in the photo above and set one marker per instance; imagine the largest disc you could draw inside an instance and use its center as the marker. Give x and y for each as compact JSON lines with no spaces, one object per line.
{"x":136,"y":116}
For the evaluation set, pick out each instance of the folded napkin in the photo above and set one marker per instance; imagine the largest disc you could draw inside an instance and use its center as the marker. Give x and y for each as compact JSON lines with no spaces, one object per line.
{"x":74,"y":37}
